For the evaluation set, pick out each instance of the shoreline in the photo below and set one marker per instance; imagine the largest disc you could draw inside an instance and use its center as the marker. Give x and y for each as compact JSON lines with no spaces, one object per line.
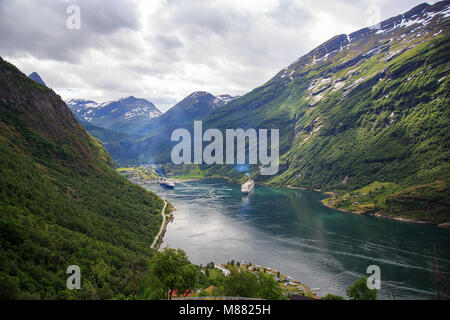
{"x":379,"y":215}
{"x":328,"y":194}
{"x":282,"y":278}
{"x":159,"y":240}
{"x":158,"y":237}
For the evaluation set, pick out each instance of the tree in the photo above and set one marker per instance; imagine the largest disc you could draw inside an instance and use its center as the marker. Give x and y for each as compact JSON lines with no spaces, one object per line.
{"x":150,"y":288}
{"x":332,"y":297}
{"x":268,"y":288}
{"x":360,"y":291}
{"x":174,"y":271}
{"x":10,"y":287}
{"x":241,"y":284}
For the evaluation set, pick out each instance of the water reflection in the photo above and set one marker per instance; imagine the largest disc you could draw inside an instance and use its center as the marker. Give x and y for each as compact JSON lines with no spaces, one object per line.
{"x":291,"y":231}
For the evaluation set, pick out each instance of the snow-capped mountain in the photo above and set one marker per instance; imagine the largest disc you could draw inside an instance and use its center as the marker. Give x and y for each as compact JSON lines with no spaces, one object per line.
{"x":111,"y":114}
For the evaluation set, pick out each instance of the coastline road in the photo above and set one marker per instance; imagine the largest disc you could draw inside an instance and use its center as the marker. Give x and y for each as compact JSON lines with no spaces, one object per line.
{"x":162,"y":226}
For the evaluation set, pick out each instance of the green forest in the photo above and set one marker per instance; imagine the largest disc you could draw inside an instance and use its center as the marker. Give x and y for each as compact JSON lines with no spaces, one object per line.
{"x":62,"y":203}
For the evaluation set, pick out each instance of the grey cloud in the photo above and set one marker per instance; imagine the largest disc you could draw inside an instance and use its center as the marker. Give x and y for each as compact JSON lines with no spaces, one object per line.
{"x":175,"y":47}
{"x":169,"y":41}
{"x":202,"y":17}
{"x":39,"y":27}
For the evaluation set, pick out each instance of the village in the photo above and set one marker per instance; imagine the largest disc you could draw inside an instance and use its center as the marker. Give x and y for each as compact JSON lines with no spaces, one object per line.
{"x":288,"y":284}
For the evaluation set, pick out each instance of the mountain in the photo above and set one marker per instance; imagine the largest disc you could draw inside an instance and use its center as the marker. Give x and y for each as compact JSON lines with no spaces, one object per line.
{"x":62,"y":203}
{"x":36,"y":77}
{"x":116,"y":143}
{"x":156,"y":146}
{"x":142,"y":138}
{"x":115,"y":115}
{"x":364,"y":115}
{"x":196,"y":106}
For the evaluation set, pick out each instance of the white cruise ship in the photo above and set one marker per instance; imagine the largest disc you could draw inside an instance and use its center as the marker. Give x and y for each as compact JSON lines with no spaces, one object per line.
{"x":166,"y":184}
{"x":247,"y":187}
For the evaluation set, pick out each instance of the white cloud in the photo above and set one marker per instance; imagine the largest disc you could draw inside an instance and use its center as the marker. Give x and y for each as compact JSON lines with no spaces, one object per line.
{"x":164,"y":50}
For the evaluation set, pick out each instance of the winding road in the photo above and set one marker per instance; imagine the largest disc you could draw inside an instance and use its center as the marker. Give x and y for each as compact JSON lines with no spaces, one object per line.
{"x":162,"y":226}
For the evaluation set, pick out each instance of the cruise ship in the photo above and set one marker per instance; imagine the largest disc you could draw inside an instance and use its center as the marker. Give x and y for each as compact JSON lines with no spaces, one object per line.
{"x":166,"y":184}
{"x":247,"y":187}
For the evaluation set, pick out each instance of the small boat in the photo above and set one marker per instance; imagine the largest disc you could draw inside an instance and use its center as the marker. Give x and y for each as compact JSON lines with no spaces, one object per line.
{"x":167,"y":184}
{"x":247,"y":187}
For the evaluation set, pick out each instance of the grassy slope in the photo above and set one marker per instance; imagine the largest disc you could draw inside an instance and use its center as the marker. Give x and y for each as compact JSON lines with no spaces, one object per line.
{"x":62,"y":203}
{"x":342,"y":127}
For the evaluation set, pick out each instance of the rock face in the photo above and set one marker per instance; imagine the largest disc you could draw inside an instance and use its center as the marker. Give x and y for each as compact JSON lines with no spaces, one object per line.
{"x":34,"y":76}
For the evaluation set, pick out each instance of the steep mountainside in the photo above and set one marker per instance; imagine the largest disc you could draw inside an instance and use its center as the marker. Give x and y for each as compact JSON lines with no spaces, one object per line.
{"x":36,"y":77}
{"x":121,"y":115}
{"x":62,"y":203}
{"x":369,"y":109}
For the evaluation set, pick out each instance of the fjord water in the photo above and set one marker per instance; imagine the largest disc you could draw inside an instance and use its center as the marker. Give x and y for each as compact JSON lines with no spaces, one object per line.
{"x":291,"y":231}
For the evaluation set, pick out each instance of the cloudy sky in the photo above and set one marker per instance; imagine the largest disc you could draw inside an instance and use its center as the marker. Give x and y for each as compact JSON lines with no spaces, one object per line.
{"x":163,"y":50}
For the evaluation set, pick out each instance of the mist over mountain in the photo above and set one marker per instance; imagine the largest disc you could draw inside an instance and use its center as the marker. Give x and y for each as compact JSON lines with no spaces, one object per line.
{"x":141,"y":134}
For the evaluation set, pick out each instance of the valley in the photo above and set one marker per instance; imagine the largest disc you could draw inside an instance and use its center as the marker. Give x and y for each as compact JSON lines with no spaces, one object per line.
{"x":348,"y":148}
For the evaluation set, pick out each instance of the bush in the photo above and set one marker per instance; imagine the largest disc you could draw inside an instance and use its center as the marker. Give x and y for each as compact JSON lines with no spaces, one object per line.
{"x":332,"y":297}
{"x":360,"y":291}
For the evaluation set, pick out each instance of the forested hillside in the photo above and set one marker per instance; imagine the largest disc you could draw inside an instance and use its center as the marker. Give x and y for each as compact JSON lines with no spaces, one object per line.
{"x":62,"y":203}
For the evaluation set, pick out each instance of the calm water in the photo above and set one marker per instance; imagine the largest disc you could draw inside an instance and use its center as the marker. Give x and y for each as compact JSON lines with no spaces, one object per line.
{"x":290,"y":230}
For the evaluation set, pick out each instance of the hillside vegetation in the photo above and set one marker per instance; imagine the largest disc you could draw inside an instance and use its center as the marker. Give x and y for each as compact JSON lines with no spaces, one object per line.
{"x":365,"y":107}
{"x":62,"y":203}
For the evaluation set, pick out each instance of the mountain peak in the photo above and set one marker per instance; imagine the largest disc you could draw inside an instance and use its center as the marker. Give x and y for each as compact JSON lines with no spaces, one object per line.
{"x":197,"y":94}
{"x":129,"y":98}
{"x":35,"y":76}
{"x":113,"y":113}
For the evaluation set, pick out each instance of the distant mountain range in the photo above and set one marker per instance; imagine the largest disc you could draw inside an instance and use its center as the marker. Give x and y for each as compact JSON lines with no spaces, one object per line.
{"x":134,"y":129}
{"x":114,"y":114}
